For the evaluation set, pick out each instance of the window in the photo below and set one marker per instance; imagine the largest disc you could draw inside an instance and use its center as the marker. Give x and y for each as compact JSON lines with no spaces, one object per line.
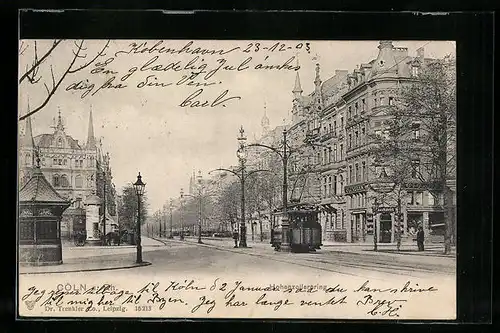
{"x":363,"y":135}
{"x":414,"y":71}
{"x":341,"y":123}
{"x":431,"y":200}
{"x":335,"y":128}
{"x":56,"y":181}
{"x":335,"y":187}
{"x":46,"y":230}
{"x":341,"y":184}
{"x":78,"y":181}
{"x":349,"y":115}
{"x":391,"y":100}
{"x":418,"y":198}
{"x":351,"y":175}
{"x":416,"y":131}
{"x":357,"y":176}
{"x":318,"y":158}
{"x":341,"y":152}
{"x":364,"y":175}
{"x":330,"y":129}
{"x":411,"y":198}
{"x":26,"y":231}
{"x":329,"y":186}
{"x":64,"y":181}
{"x":335,"y":152}
{"x":54,"y":161}
{"x":59,"y":161}
{"x":415,"y":168}
{"x":81,"y":163}
{"x":375,"y":101}
{"x":356,"y":106}
{"x":64,"y":162}
{"x":363,"y":105}
{"x":59,"y":143}
{"x":350,"y":140}
{"x":382,"y":100}
{"x":356,"y":138}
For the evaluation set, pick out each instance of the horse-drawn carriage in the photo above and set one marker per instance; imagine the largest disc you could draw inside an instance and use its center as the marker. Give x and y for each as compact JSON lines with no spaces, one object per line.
{"x":111,"y":238}
{"x":304,"y":232}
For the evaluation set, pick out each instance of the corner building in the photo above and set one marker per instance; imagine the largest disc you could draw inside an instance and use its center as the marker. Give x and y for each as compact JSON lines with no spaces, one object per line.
{"x":76,"y":171}
{"x":334,"y":173}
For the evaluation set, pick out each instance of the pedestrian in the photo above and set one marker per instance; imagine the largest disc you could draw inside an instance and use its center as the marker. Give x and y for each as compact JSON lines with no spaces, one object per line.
{"x":235,"y":237}
{"x":420,"y":238}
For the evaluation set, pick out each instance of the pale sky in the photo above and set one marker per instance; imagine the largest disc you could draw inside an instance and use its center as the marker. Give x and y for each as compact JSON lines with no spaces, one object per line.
{"x":145,"y":129}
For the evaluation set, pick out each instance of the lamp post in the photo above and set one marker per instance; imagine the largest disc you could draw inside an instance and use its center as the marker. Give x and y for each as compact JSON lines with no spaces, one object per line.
{"x":381,"y":185}
{"x":181,"y":233}
{"x":199,"y":197}
{"x":242,"y":174}
{"x":284,"y":155}
{"x":139,"y":187}
{"x":170,"y":207}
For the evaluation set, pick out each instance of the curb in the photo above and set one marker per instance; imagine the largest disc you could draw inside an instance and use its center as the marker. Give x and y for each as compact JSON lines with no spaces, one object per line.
{"x":88,"y":269}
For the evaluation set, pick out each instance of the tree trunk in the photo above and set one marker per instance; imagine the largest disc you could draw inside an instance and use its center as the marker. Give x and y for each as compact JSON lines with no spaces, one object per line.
{"x":448,"y":219}
{"x":260,"y":226}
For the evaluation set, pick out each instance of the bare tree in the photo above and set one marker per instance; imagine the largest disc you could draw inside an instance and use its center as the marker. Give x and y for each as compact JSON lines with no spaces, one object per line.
{"x":32,"y":74}
{"x":420,"y":136}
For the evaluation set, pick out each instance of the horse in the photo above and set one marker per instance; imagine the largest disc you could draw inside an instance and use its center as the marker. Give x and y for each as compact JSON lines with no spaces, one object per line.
{"x":112,"y":238}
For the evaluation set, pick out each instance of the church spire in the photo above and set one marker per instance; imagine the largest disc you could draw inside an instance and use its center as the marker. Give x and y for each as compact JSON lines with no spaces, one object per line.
{"x":60,"y":126}
{"x":28,"y":140}
{"x":297,"y":89}
{"x":91,"y":144}
{"x":317,"y":79}
{"x":265,"y":121}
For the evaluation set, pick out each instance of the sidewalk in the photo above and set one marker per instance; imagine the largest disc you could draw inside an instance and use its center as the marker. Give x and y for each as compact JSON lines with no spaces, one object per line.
{"x":432,"y":249}
{"x":95,"y":258}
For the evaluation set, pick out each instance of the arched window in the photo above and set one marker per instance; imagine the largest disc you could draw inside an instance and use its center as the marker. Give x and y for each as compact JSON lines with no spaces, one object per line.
{"x":341,"y":179}
{"x":64,"y":181}
{"x":56,"y":181}
{"x":59,"y":143}
{"x":78,"y":181}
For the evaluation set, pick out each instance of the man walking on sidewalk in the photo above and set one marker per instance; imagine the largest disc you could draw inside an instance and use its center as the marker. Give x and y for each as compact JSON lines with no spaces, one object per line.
{"x":420,"y":238}
{"x":235,"y":237}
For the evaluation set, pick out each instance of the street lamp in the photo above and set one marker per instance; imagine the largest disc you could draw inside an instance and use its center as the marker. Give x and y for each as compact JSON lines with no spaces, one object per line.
{"x":242,"y":174}
{"x":381,"y":185}
{"x":139,"y":187}
{"x":242,"y":156}
{"x":181,"y":233}
{"x":171,"y":206}
{"x":199,"y":197}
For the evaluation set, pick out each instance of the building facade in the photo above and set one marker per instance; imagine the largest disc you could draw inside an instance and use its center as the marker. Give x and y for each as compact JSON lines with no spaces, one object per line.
{"x":332,"y":129}
{"x":76,"y":171}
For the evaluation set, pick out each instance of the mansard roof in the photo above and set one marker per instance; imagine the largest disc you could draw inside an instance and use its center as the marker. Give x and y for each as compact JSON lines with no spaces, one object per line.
{"x":47,"y":141}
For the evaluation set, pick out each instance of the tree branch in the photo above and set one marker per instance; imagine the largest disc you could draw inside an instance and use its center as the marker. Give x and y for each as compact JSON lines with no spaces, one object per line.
{"x":38,"y":62}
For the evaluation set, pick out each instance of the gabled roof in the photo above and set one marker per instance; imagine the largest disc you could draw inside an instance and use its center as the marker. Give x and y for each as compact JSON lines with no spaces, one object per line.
{"x":38,"y":189}
{"x":45,"y":141}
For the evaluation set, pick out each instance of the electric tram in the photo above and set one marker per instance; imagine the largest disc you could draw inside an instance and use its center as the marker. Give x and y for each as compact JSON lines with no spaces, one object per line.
{"x":304,"y":231}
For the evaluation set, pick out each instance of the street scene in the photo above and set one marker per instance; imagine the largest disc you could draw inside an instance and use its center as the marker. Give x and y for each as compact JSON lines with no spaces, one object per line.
{"x":324,"y":166}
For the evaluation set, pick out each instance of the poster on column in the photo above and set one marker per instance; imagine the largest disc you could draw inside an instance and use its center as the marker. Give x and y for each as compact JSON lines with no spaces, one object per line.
{"x":222,"y":155}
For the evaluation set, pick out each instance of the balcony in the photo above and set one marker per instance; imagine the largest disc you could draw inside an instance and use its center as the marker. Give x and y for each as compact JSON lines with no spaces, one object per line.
{"x":327,"y":135}
{"x":312,"y":135}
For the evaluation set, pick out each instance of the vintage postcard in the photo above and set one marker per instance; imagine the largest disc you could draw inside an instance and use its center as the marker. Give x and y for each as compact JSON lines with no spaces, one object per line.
{"x":237,"y":179}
